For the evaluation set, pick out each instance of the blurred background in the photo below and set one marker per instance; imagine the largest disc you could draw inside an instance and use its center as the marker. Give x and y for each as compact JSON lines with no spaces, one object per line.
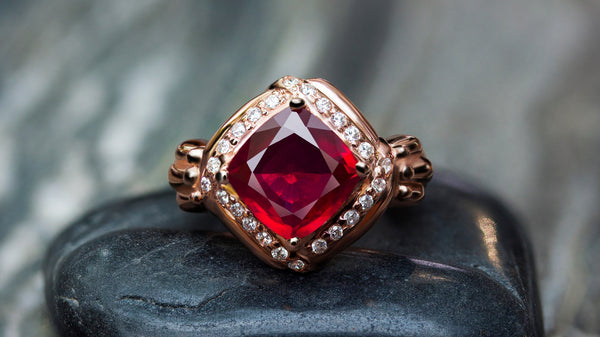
{"x":95,"y":96}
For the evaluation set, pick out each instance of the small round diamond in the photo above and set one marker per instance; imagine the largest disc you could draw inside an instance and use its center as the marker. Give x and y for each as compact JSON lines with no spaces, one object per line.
{"x":351,"y":217}
{"x":237,"y":209}
{"x":253,"y":114}
{"x":222,"y":196}
{"x":279,"y":253}
{"x":323,"y":105}
{"x":386,"y":163}
{"x":297,"y":265}
{"x":205,"y":184}
{"x":213,"y":165}
{"x":335,"y":232}
{"x":290,"y":82}
{"x":339,"y":120}
{"x":378,"y":184}
{"x":365,"y":201}
{"x":308,"y":89}
{"x":249,"y":224}
{"x":272,"y":101}
{"x":352,"y":134}
{"x":319,"y":246}
{"x":223,"y":146}
{"x":365,"y":150}
{"x":264,"y":238}
{"x":238,"y":129}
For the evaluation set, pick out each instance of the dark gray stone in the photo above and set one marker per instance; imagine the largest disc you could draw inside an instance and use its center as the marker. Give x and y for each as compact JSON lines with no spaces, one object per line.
{"x":456,"y":265}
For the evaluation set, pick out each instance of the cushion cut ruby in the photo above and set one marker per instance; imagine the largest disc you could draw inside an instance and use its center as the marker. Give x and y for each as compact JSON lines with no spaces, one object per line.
{"x":293,"y":173}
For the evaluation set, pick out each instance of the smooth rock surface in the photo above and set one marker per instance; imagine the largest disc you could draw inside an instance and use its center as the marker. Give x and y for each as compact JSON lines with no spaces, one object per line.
{"x":456,"y":265}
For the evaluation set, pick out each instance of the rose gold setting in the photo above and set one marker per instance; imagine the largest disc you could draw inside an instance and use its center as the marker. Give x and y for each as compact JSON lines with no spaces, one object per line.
{"x":393,"y":169}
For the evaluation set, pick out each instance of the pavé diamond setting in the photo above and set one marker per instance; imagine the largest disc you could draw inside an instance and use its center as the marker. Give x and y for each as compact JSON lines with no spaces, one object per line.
{"x":298,"y":174}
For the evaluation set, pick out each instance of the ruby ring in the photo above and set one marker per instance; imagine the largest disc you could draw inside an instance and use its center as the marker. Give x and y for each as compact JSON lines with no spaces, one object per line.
{"x":297,"y":174}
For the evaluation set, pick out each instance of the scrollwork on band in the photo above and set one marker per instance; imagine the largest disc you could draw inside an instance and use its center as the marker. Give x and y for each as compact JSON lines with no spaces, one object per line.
{"x":412,"y":170}
{"x":184,"y":174}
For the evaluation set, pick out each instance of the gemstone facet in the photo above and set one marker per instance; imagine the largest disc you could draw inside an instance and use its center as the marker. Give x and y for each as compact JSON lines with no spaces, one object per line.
{"x":293,"y":173}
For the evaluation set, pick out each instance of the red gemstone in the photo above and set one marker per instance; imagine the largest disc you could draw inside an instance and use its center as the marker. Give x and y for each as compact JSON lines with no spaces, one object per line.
{"x":293,"y":173}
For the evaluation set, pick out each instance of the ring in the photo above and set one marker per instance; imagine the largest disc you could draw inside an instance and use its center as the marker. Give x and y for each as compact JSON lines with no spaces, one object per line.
{"x":297,"y":174}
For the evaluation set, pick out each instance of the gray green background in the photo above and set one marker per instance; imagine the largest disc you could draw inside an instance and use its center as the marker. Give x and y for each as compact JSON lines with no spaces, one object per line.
{"x":95,"y":95}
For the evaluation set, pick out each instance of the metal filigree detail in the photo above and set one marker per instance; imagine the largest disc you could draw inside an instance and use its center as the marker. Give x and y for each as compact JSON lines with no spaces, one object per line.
{"x":412,"y":170}
{"x":184,"y":174}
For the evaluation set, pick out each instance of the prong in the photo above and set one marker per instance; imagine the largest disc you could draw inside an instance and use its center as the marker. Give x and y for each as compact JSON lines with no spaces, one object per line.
{"x":222,"y":177}
{"x":378,"y":171}
{"x":294,"y":241}
{"x":297,"y":103}
{"x":196,"y":197}
{"x":407,"y":172}
{"x":362,"y":169}
{"x":403,"y":191}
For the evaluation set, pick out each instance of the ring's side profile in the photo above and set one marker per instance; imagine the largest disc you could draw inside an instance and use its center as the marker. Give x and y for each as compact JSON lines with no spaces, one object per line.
{"x":298,"y":174}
